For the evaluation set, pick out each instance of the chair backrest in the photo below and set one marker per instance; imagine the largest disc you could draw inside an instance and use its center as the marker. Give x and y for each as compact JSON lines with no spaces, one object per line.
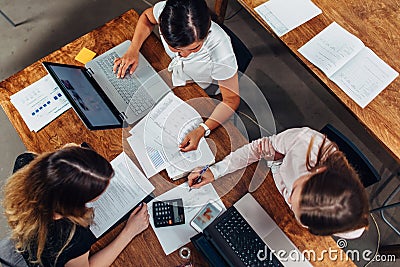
{"x":356,"y":158}
{"x":9,"y":256}
{"x":220,"y":10}
{"x":242,"y":53}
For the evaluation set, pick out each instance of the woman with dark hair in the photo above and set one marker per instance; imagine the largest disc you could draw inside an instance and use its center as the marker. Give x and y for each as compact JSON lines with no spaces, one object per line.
{"x":316,"y":180}
{"x":46,"y":205}
{"x":200,"y":50}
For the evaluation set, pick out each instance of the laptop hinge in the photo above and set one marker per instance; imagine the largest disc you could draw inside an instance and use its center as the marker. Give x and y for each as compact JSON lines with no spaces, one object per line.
{"x":123,"y":116}
{"x":89,"y":71}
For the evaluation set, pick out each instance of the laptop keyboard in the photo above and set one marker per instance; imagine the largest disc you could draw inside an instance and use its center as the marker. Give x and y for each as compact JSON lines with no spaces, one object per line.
{"x":127,"y":88}
{"x":243,"y":240}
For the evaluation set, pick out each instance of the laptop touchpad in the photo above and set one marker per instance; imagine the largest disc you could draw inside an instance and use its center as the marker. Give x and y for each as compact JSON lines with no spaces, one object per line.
{"x":255,"y":215}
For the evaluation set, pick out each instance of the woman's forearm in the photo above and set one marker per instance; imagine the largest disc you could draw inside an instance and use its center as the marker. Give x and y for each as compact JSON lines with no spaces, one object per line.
{"x":143,"y":29}
{"x":230,"y":102}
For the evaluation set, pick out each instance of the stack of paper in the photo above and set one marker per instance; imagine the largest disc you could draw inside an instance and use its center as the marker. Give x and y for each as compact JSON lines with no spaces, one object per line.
{"x":285,"y":15}
{"x":40,"y":103}
{"x":155,"y":139}
{"x":126,"y":189}
{"x":344,"y":58}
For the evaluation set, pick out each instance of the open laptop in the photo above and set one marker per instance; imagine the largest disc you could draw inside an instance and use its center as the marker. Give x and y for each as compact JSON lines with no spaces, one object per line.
{"x":102,"y":100}
{"x":245,"y":235}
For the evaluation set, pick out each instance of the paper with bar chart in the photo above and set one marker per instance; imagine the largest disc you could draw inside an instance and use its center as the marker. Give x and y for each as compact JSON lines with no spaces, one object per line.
{"x":155,"y":139}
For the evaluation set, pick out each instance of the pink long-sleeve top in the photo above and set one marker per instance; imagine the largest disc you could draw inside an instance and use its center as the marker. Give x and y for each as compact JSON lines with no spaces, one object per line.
{"x":293,"y":144}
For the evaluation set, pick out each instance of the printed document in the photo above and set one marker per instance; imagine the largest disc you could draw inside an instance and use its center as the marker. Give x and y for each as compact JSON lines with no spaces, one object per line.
{"x":344,"y":58}
{"x":285,"y":15}
{"x":40,"y":103}
{"x":173,"y":237}
{"x":155,"y":139}
{"x":127,"y":188}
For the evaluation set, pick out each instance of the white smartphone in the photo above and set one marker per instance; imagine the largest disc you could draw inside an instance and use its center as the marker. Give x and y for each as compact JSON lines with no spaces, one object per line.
{"x":205,"y":216}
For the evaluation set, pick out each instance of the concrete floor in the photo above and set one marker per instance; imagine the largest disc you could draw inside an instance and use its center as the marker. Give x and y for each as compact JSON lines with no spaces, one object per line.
{"x":295,"y":97}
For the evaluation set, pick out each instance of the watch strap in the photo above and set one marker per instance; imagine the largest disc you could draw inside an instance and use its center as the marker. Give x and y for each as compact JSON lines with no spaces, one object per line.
{"x":207,"y":130}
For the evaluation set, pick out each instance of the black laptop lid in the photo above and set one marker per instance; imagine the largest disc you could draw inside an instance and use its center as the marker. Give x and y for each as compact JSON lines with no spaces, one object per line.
{"x":208,"y":251}
{"x":85,"y":95}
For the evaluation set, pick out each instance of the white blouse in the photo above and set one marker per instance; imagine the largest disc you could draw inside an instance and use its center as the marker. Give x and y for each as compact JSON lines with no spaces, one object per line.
{"x":215,"y":61}
{"x":292,"y":143}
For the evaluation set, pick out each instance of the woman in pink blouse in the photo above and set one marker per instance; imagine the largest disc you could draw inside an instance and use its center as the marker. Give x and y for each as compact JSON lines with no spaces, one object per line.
{"x":315,"y":178}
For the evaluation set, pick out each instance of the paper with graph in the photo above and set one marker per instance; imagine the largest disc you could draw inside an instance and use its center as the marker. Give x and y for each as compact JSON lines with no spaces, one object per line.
{"x":344,"y":58}
{"x":155,"y":139}
{"x":40,"y":103}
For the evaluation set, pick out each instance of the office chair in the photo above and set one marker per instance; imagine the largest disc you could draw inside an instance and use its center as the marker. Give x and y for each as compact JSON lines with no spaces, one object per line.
{"x":356,"y":158}
{"x":368,"y":175}
{"x":385,"y":206}
{"x":243,"y":58}
{"x":220,"y":10}
{"x":367,"y":172}
{"x":9,"y":255}
{"x":242,"y":53}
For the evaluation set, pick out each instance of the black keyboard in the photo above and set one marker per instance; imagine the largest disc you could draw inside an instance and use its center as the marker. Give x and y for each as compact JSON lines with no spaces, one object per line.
{"x":244,"y":241}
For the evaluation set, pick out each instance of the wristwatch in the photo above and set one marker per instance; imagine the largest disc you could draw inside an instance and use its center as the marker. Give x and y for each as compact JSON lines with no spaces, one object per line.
{"x":207,"y":130}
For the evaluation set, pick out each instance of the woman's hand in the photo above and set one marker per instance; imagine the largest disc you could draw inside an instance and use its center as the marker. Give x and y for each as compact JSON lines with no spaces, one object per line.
{"x":267,"y":151}
{"x":138,"y":221}
{"x":192,"y":139}
{"x":206,"y":178}
{"x":121,"y":64}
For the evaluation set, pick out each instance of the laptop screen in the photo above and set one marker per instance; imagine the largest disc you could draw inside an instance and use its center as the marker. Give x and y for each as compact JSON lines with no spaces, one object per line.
{"x":92,"y":106}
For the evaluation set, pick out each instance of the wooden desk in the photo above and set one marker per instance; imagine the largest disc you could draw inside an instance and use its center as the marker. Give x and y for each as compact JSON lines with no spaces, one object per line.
{"x":145,"y":249}
{"x":376,"y":23}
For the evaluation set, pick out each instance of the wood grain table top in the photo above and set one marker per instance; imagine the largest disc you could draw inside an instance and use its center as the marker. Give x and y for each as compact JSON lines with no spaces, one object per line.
{"x":376,"y":24}
{"x":145,"y":250}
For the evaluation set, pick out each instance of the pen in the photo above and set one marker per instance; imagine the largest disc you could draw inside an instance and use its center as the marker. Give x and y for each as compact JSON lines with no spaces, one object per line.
{"x":198,"y":179}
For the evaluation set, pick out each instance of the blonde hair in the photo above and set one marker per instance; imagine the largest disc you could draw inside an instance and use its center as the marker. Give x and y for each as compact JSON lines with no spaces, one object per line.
{"x":59,"y":182}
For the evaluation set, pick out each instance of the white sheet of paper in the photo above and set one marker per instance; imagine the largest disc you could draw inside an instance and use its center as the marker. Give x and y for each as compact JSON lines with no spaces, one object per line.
{"x":155,"y":139}
{"x":173,"y":237}
{"x":356,"y":69}
{"x":284,"y":16}
{"x":126,"y":189}
{"x":187,"y":161}
{"x":40,"y":103}
{"x":364,"y":77}
{"x":330,"y":49}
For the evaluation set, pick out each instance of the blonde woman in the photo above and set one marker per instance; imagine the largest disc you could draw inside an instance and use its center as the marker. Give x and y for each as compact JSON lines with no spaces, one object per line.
{"x":46,"y":207}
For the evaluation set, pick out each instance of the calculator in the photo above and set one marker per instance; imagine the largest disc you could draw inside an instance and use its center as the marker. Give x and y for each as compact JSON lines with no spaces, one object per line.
{"x":168,"y":212}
